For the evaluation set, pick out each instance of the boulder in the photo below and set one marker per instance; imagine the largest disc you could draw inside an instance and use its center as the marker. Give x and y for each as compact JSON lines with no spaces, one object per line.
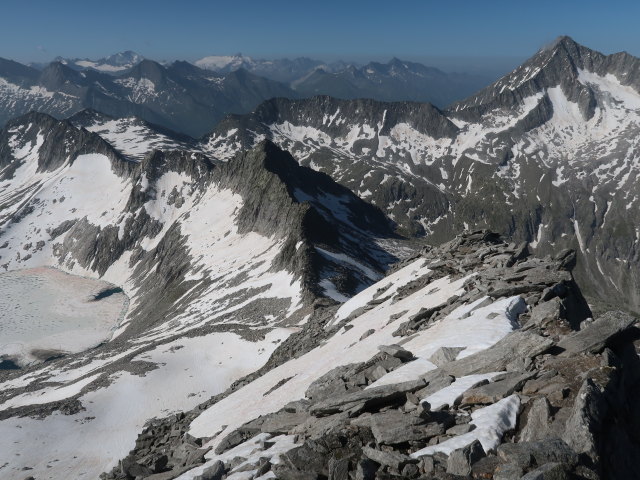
{"x":460,"y":460}
{"x":586,"y":418}
{"x":549,"y":471}
{"x":368,"y":399}
{"x":389,"y":458}
{"x":508,"y":471}
{"x":393,"y":427}
{"x":506,"y":354}
{"x":282,"y":422}
{"x":212,"y":472}
{"x":397,"y":351}
{"x":526,"y":454}
{"x":445,"y":355}
{"x":338,"y":468}
{"x":537,"y":424}
{"x":546,"y":312}
{"x":130,"y":468}
{"x":334,"y":382}
{"x":597,"y":335}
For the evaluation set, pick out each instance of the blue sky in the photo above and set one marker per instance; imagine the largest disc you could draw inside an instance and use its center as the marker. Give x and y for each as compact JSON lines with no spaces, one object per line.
{"x":450,"y":31}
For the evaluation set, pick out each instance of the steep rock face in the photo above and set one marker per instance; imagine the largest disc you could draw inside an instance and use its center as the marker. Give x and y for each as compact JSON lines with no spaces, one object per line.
{"x":547,"y":154}
{"x":343,"y":139}
{"x":522,"y":393}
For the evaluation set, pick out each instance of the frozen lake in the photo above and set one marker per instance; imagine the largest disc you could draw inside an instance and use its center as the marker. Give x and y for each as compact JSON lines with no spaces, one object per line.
{"x":46,"y":312}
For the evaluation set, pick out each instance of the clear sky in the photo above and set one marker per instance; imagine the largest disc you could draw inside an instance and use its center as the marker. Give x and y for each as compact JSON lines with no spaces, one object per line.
{"x":472,"y":31}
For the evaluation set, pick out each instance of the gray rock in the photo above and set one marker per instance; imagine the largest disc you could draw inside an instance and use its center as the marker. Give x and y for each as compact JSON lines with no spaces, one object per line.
{"x":338,"y":468}
{"x":389,"y":458}
{"x":437,"y":380}
{"x":460,"y":460}
{"x":585,"y":420}
{"x":546,"y":312}
{"x":461,"y":429}
{"x":318,"y":427}
{"x":394,"y":427}
{"x":526,"y":454}
{"x":282,"y":422}
{"x":370,"y":398}
{"x":212,"y":472}
{"x":597,"y":335}
{"x":550,"y":471}
{"x":504,"y":355}
{"x":366,"y":469}
{"x":170,"y":475}
{"x":332,"y":383}
{"x":445,"y":355}
{"x":130,"y":468}
{"x":426,"y":464}
{"x":396,"y":351}
{"x":508,"y":471}
{"x":494,"y":391}
{"x":537,"y":426}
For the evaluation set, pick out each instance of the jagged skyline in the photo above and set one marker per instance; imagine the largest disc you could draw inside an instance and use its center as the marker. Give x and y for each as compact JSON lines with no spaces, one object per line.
{"x":421,"y":31}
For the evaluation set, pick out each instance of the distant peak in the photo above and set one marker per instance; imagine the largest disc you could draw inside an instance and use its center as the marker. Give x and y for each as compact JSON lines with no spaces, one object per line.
{"x":562,"y":41}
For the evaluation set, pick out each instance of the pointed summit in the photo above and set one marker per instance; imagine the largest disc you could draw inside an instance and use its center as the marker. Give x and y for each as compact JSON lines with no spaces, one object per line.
{"x":557,"y":65}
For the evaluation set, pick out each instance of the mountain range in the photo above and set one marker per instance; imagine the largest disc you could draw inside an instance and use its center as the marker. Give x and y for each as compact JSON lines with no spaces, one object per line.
{"x":545,"y":154}
{"x":180,"y":96}
{"x":192,"y":99}
{"x":321,"y":287}
{"x":396,"y":80}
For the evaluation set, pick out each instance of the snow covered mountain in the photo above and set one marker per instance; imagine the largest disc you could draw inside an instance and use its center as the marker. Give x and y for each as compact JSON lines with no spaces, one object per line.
{"x":240,"y":254}
{"x":112,"y":64}
{"x":546,"y":154}
{"x":396,"y":80}
{"x":132,"y":137}
{"x":281,"y":70}
{"x":224,"y":309}
{"x":180,"y":96}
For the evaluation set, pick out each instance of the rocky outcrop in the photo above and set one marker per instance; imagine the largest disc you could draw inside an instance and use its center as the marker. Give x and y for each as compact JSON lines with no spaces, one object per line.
{"x":556,"y":406}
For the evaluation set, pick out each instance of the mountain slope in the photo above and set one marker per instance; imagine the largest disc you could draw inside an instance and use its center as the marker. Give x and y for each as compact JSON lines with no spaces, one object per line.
{"x":546,"y":154}
{"x":225,"y":268}
{"x":463,"y":362}
{"x":132,"y":136}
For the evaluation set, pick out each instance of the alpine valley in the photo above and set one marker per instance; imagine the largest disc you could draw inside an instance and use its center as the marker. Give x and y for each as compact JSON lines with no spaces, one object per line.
{"x":207,"y":276}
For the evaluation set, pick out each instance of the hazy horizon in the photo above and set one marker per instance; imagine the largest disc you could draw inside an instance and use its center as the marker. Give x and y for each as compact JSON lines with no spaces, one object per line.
{"x":462,"y":36}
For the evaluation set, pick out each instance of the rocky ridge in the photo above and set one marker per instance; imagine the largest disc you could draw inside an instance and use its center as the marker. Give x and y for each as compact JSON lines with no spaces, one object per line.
{"x":549,"y":397}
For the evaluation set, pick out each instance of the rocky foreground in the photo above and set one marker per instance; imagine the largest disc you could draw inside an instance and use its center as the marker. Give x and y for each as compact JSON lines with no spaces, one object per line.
{"x":470,"y":360}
